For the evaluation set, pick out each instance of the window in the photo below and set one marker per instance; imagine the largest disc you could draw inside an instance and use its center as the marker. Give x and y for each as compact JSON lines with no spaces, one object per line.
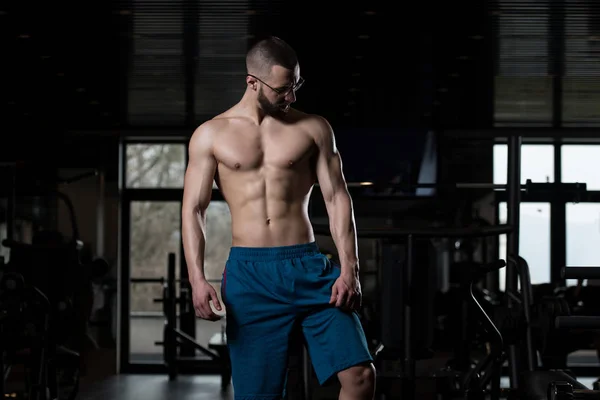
{"x":581,"y":98}
{"x":537,"y":163}
{"x":155,"y":165}
{"x":523,"y":85}
{"x":523,"y":101}
{"x":583,"y":235}
{"x":578,"y":163}
{"x":156,"y":67}
{"x":221,"y":70}
{"x":534,"y":240}
{"x":581,"y":79}
{"x":154,"y":233}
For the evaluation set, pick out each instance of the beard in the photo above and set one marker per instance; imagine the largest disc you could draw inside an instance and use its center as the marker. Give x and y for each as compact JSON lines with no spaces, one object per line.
{"x":273,"y":109}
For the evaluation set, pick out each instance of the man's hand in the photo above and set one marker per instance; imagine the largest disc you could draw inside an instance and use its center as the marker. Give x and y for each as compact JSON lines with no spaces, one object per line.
{"x":202,"y":294}
{"x":346,"y":292}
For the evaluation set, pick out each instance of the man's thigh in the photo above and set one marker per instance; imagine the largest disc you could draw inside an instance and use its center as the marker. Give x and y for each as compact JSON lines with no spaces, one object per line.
{"x":258,"y":332}
{"x":259,"y":357}
{"x":335,"y":340}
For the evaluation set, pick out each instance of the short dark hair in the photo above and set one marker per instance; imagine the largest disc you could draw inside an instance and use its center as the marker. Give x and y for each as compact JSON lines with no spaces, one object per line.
{"x":269,"y":52}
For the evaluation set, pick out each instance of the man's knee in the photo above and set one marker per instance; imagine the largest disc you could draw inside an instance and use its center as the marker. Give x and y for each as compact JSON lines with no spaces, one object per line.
{"x":359,"y":378}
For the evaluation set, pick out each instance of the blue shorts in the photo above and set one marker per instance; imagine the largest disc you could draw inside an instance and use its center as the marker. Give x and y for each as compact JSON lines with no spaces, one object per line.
{"x":269,"y":291}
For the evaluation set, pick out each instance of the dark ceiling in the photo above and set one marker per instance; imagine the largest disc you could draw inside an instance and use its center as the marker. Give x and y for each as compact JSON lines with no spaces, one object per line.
{"x":108,"y":69}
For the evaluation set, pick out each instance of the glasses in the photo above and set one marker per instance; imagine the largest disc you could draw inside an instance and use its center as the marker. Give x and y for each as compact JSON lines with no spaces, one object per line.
{"x":282,"y":91}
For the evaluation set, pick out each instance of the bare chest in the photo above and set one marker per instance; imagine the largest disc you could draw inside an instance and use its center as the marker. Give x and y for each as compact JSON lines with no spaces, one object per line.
{"x":254,"y":151}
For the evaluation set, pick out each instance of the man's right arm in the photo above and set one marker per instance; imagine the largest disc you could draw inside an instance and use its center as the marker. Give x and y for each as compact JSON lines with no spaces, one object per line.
{"x":197,"y":191}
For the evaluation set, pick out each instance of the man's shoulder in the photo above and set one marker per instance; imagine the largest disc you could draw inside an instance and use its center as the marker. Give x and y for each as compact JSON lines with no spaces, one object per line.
{"x":319,"y":128}
{"x":209,"y":129}
{"x":204,"y":135}
{"x":315,"y":124}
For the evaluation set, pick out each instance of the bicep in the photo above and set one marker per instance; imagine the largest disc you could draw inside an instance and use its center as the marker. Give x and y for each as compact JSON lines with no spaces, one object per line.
{"x":329,"y":167}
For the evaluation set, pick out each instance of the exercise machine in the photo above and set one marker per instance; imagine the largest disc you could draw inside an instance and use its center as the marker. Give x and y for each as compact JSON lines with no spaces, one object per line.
{"x":564,"y":389}
{"x":478,"y":352}
{"x":399,"y":294}
{"x":31,"y":336}
{"x":43,"y":326}
{"x":537,"y":322}
{"x":215,"y":356}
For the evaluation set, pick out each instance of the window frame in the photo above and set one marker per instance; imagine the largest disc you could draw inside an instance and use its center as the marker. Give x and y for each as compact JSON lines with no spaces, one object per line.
{"x":557,"y":200}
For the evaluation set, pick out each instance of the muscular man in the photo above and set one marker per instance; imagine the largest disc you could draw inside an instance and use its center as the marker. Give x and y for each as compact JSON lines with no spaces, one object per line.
{"x":265,"y":158}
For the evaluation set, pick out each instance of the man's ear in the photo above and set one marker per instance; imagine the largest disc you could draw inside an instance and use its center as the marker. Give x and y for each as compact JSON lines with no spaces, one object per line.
{"x":252,"y":82}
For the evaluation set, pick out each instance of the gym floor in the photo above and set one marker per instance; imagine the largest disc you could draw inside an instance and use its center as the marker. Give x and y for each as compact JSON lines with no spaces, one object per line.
{"x":158,"y":387}
{"x":155,"y":387}
{"x":205,"y":387}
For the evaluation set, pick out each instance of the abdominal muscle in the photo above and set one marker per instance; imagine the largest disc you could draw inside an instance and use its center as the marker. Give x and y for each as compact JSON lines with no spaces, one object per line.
{"x":284,"y":230}
{"x":268,"y":212}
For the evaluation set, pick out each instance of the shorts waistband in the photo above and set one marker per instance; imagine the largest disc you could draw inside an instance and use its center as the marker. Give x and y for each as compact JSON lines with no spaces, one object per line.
{"x":273,"y":253}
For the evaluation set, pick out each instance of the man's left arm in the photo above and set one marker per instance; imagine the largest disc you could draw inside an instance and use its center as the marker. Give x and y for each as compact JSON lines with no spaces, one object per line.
{"x":337,"y":198}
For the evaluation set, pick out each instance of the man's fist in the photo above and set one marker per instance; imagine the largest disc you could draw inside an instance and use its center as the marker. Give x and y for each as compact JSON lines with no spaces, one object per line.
{"x":346,"y":292}
{"x":202,"y":294}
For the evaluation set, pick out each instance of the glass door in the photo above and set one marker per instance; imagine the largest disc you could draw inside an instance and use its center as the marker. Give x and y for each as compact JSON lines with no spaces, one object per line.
{"x":154,"y":232}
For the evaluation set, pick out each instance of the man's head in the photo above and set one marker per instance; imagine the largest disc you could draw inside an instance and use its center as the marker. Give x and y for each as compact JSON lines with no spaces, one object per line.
{"x":274,"y":73}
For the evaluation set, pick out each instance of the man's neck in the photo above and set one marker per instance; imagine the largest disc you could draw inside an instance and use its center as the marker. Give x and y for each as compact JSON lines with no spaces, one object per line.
{"x":249,"y":106}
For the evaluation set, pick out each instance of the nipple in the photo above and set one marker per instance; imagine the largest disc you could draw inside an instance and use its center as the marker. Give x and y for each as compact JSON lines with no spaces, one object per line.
{"x":237,"y":165}
{"x":291,"y":163}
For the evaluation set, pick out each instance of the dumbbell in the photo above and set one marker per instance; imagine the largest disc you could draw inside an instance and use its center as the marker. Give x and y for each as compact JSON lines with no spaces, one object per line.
{"x":565,"y":391}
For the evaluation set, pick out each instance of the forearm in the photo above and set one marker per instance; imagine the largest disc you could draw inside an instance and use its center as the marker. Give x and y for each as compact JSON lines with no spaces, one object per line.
{"x":193,"y":226}
{"x":343,"y":230}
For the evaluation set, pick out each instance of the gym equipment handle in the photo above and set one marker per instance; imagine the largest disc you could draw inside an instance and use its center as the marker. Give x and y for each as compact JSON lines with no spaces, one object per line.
{"x":577,"y":322}
{"x":493,"y":266}
{"x":580,"y":272}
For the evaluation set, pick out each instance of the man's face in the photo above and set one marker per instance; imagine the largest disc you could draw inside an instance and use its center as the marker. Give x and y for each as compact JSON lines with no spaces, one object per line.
{"x":278,"y":92}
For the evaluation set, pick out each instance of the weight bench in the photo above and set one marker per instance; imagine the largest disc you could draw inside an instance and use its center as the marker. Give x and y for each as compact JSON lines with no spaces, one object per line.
{"x":218,"y":343}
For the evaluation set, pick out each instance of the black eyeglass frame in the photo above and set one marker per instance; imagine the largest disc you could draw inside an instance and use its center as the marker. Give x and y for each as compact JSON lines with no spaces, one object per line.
{"x":281,"y":92}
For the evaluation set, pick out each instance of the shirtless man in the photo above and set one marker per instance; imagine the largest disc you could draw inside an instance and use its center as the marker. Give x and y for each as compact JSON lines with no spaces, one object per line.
{"x":265,"y":158}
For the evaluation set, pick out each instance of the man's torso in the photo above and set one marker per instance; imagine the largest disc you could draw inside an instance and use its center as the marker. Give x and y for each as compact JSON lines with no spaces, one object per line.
{"x":266,"y":174}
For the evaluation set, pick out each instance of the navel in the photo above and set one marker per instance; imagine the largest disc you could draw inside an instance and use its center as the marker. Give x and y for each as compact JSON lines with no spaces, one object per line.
{"x":268,"y":221}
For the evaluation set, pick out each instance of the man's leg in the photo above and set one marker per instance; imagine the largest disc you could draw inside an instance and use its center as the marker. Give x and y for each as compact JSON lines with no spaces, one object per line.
{"x":337,"y":346}
{"x":358,"y":382}
{"x":258,"y":331}
{"x":335,"y":339}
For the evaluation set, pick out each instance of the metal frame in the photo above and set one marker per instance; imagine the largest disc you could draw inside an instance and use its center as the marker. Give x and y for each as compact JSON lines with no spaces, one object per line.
{"x":557,"y":202}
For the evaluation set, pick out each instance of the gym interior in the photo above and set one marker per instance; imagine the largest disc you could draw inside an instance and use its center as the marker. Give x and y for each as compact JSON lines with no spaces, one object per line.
{"x":468,"y":145}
